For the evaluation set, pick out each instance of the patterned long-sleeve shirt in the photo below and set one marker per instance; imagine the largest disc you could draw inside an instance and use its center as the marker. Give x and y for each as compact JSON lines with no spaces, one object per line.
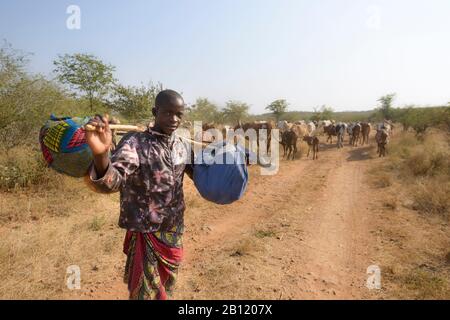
{"x":147,"y":168}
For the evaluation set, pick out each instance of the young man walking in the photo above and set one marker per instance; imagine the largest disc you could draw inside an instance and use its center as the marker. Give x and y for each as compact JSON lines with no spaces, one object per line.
{"x":147,"y":168}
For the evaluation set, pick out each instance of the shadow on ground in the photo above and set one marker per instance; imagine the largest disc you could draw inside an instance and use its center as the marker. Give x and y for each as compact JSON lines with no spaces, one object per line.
{"x":327,"y":146}
{"x":360,"y":154}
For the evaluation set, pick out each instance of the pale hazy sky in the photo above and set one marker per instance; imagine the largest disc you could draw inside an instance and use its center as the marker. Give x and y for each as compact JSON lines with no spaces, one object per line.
{"x":342,"y":53}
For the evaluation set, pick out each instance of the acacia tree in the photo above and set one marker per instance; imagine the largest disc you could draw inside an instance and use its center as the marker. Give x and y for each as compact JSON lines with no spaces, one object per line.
{"x":204,"y":110}
{"x":85,"y":73}
{"x":324,"y":113}
{"x":235,"y":111}
{"x":386,"y":105}
{"x":278,"y":108}
{"x":134,"y":103}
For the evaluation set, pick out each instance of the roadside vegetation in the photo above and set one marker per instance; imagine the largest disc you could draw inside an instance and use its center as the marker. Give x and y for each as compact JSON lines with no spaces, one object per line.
{"x":50,"y":221}
{"x":414,"y":185}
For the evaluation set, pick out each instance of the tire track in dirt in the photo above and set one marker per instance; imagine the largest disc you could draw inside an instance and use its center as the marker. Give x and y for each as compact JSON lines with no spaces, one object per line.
{"x":337,"y":258}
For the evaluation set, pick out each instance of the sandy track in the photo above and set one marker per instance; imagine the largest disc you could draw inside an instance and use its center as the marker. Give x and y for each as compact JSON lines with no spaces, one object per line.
{"x":338,"y":234}
{"x":301,"y":234}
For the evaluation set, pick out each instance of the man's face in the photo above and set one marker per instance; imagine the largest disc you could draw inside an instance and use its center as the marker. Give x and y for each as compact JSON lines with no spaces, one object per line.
{"x":168,"y":117}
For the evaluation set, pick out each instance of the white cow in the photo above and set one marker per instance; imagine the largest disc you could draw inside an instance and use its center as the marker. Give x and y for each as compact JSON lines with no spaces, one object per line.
{"x":311,"y":128}
{"x":301,"y":130}
{"x":340,"y":132}
{"x":386,"y":126}
{"x":350,"y":131}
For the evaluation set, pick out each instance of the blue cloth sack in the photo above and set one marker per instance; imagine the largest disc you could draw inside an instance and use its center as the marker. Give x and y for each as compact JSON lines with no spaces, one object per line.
{"x":221,"y":177}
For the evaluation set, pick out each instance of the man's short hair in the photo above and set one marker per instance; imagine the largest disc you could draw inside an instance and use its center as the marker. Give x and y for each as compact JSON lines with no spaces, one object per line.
{"x":167,"y":97}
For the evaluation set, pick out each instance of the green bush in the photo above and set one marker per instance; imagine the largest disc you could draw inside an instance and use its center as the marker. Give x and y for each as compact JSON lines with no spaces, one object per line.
{"x":22,"y":167}
{"x":421,"y":119}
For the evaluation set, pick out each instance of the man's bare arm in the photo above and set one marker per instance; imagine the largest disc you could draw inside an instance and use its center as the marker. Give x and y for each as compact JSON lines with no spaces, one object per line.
{"x":101,"y":163}
{"x":100,"y":140}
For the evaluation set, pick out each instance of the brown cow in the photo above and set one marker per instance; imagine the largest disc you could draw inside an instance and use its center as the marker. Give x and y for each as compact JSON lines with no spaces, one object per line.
{"x":257,"y":126}
{"x":382,"y":138}
{"x":313,"y":142}
{"x":330,"y":130}
{"x":215,"y":129}
{"x":205,"y":135}
{"x":365,"y":130}
{"x":356,"y":131}
{"x":207,"y":126}
{"x":289,"y":142}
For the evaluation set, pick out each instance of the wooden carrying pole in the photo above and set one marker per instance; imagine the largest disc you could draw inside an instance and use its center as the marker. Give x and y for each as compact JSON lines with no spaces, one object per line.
{"x":127,"y":128}
{"x":119,"y":127}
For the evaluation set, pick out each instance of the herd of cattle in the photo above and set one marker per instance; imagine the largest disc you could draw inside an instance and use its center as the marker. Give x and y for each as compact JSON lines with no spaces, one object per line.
{"x":310,"y":132}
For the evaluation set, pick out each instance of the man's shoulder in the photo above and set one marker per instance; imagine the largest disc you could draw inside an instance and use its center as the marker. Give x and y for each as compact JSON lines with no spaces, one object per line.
{"x":137,"y":136}
{"x":133,"y":139}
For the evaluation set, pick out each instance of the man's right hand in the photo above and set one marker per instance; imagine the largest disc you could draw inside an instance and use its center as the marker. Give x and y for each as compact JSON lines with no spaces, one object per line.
{"x":100,"y":139}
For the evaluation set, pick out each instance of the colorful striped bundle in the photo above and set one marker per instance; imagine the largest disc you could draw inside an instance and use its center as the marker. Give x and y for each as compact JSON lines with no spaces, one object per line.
{"x":63,"y":144}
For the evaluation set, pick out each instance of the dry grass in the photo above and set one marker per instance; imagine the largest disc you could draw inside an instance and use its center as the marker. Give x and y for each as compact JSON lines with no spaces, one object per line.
{"x":61,"y":223}
{"x":428,"y":161}
{"x":261,"y":234}
{"x":412,"y":253}
{"x":245,"y":247}
{"x":381,"y":179}
{"x":97,"y":223}
{"x":401,"y":145}
{"x":56,"y":198}
{"x":45,"y":231}
{"x":413,"y":247}
{"x":384,"y":181}
{"x":22,"y":167}
{"x":432,"y":196}
{"x":423,"y":167}
{"x":425,"y":284}
{"x":429,"y":156}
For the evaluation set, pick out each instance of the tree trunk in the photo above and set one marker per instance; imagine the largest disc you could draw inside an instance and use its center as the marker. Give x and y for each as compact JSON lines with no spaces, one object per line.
{"x":90,"y":102}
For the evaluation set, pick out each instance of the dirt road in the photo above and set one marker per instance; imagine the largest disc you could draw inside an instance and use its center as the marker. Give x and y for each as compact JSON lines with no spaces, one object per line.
{"x":301,"y":234}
